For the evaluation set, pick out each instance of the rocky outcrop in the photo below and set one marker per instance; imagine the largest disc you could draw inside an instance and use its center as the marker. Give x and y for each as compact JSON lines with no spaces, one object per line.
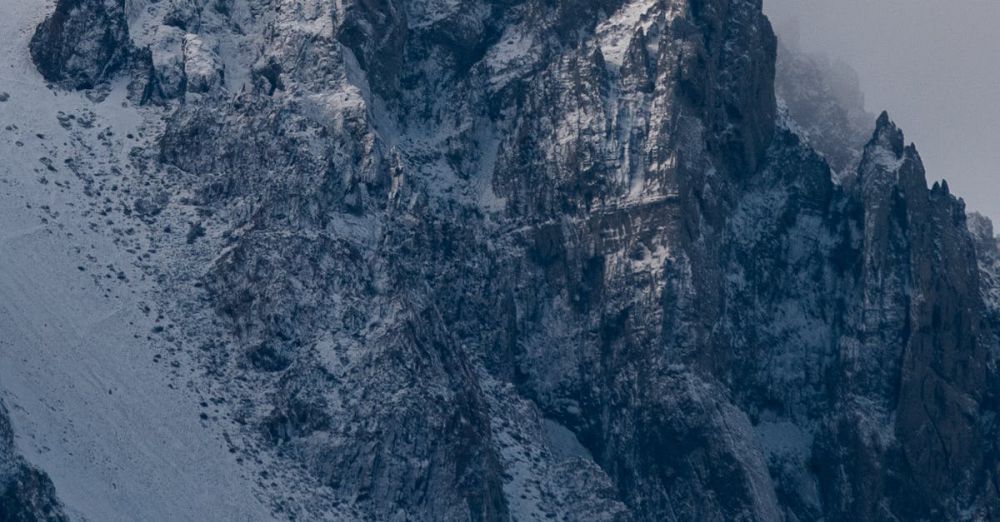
{"x":26,"y":494}
{"x":988,"y":256}
{"x":82,"y":43}
{"x":938,"y":345}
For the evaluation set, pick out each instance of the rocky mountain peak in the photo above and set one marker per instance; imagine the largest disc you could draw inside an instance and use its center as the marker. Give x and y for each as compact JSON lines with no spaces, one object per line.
{"x":524,"y":260}
{"x":887,"y":135}
{"x":888,"y":165}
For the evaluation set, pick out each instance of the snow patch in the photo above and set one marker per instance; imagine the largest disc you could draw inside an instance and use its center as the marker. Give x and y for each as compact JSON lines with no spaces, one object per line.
{"x":95,"y":394}
{"x":615,"y":34}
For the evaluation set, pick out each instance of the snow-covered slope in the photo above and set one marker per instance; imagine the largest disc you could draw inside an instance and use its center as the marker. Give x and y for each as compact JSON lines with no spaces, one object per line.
{"x":96,"y":398}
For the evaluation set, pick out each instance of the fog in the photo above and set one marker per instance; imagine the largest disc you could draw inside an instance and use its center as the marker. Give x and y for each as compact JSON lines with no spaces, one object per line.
{"x":933,"y":64}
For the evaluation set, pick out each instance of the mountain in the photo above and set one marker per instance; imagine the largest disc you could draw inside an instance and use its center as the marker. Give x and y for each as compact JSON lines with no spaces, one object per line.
{"x":481,"y":260}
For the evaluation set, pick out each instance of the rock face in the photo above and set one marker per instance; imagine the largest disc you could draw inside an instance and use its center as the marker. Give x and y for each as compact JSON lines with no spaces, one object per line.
{"x":83,"y":43}
{"x":988,"y":255}
{"x":563,"y":259}
{"x":26,"y":494}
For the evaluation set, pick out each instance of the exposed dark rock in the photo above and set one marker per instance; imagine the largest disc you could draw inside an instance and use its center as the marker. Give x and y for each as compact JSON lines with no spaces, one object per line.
{"x":82,"y":43}
{"x":26,"y":494}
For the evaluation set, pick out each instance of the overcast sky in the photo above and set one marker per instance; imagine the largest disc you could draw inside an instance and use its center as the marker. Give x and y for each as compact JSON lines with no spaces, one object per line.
{"x":934,"y":65}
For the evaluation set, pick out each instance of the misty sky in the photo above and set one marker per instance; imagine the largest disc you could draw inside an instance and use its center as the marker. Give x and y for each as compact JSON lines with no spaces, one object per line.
{"x":933,"y":64}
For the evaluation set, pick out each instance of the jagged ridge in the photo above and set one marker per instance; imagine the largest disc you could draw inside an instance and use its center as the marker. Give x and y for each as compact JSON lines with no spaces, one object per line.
{"x":452,"y":237}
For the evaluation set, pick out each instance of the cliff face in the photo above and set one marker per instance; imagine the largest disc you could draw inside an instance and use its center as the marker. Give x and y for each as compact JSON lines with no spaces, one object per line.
{"x":513,"y":260}
{"x":26,"y":494}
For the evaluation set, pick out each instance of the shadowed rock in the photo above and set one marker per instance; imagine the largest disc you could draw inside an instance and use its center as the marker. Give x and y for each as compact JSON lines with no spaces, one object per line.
{"x":82,"y":43}
{"x":26,"y":494}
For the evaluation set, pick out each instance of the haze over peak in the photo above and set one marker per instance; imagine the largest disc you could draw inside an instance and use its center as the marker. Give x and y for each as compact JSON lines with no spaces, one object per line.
{"x":931,"y":65}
